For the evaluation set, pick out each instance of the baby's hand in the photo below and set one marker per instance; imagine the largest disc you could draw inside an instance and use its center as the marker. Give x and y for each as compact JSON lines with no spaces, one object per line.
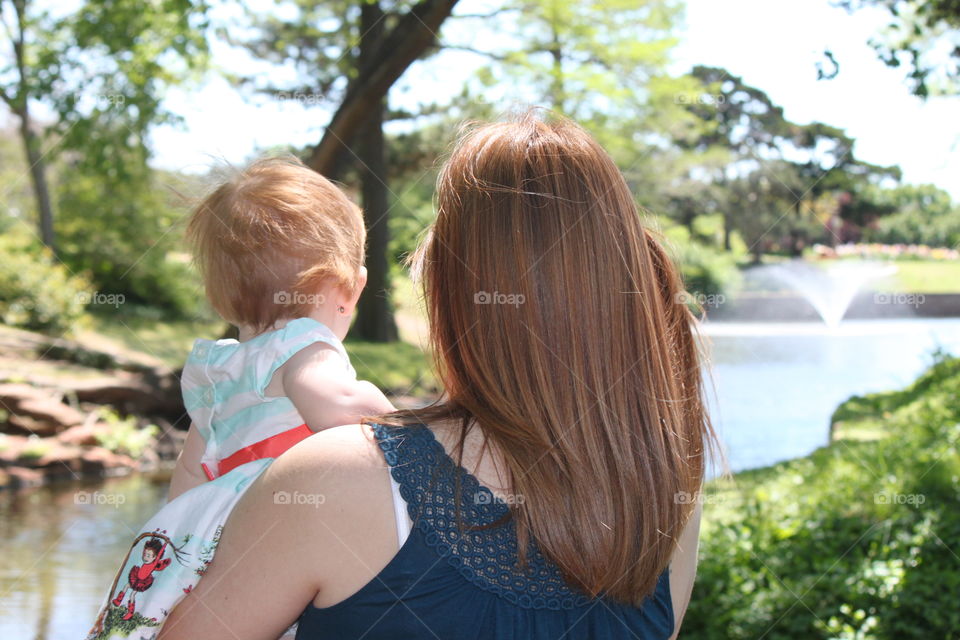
{"x":315,"y":382}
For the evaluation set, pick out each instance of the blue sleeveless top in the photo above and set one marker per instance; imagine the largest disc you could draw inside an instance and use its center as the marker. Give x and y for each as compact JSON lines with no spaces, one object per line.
{"x":453,"y":580}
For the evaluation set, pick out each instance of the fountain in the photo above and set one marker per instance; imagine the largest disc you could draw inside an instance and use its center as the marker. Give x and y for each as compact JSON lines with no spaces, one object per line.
{"x":829,"y":290}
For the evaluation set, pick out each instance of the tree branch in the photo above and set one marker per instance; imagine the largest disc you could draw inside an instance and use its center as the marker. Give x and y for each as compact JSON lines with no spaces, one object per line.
{"x":413,"y":34}
{"x":486,"y":16}
{"x":486,"y":54}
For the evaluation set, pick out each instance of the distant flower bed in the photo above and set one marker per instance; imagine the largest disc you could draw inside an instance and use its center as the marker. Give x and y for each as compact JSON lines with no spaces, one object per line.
{"x":886,"y":251}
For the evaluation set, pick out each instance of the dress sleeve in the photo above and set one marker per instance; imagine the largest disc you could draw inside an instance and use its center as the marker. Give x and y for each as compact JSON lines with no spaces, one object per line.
{"x":199,"y":394}
{"x":284,"y":343}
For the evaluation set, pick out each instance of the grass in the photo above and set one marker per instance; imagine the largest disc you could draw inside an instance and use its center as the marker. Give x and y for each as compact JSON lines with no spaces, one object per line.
{"x":859,"y":540}
{"x":924,"y":276}
{"x":114,"y":625}
{"x":915,"y":276}
{"x":163,"y":340}
{"x":398,"y":367}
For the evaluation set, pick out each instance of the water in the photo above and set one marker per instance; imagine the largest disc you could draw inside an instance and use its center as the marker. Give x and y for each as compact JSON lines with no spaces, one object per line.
{"x":59,"y":550}
{"x":829,"y":290}
{"x":777,"y":386}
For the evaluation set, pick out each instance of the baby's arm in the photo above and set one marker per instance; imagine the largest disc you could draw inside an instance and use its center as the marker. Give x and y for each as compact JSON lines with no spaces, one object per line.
{"x":188,"y":473}
{"x":313,"y":379}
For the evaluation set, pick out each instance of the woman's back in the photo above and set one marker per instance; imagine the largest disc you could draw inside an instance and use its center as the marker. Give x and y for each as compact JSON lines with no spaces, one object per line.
{"x":563,"y":347}
{"x":457,"y":574}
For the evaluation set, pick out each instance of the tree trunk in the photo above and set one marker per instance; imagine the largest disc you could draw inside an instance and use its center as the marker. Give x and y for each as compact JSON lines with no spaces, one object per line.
{"x":388,"y":57}
{"x":38,"y":177}
{"x":727,"y":230}
{"x":375,"y":320}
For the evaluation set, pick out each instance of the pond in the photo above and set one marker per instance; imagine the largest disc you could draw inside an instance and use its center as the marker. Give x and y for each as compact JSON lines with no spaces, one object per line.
{"x":776,"y":386}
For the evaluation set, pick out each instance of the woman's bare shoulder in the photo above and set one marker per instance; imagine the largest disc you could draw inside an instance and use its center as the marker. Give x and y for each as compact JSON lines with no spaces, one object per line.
{"x":331,"y":459}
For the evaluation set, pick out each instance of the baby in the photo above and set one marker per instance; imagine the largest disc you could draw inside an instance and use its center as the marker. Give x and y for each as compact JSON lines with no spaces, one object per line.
{"x":280,"y":249}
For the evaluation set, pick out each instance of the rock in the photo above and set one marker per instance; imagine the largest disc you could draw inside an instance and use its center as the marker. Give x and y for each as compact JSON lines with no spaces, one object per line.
{"x":32,"y":410}
{"x":170,"y":441}
{"x":155,"y":393}
{"x":19,"y":477}
{"x":83,"y":435}
{"x":14,"y":393}
{"x":44,"y":416}
{"x":98,"y":459}
{"x":57,"y":454}
{"x":10,"y":447}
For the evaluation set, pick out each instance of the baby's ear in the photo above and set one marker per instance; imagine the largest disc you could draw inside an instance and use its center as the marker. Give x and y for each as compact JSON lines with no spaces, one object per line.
{"x":358,"y":289}
{"x":362,"y":278}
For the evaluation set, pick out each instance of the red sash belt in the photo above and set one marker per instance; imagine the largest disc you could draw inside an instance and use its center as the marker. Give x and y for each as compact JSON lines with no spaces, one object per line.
{"x":267,"y":448}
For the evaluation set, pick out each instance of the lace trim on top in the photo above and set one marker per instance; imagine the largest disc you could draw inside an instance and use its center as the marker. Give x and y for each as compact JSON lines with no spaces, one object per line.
{"x":487,"y":557}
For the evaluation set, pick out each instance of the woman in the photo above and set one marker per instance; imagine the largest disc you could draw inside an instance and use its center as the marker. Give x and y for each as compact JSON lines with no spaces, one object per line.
{"x":552,"y":492}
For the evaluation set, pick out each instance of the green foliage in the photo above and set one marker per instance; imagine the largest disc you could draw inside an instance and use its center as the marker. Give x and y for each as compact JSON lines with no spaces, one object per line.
{"x":707,"y":270}
{"x":126,"y":234}
{"x":583,"y":58}
{"x":923,"y":214}
{"x":103,"y":69}
{"x":114,"y":625}
{"x":921,"y":38}
{"x":36,"y":292}
{"x":395,"y":367}
{"x":124,"y":435}
{"x":35,"y":449}
{"x":849,"y":542}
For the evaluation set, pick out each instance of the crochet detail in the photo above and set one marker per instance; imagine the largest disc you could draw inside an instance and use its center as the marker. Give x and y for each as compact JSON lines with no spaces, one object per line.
{"x":482,"y":545}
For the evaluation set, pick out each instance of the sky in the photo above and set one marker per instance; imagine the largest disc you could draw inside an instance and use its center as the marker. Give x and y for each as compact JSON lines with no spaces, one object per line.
{"x":773,"y":45}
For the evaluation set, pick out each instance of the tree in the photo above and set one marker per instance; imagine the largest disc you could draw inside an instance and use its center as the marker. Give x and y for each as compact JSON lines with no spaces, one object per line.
{"x":601,"y":63}
{"x":915,"y":214}
{"x":805,"y":163}
{"x":349,"y":54}
{"x":923,"y":36}
{"x":23,"y":77}
{"x":101,"y":63}
{"x":738,"y":123}
{"x":760,"y":206}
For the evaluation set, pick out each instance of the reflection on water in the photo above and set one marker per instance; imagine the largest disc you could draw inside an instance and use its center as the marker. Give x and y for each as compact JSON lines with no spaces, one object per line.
{"x":60,"y":548}
{"x":777,"y":386}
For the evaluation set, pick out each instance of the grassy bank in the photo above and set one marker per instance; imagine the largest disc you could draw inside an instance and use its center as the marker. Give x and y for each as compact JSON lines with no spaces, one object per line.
{"x":398,"y":367}
{"x":859,"y":540}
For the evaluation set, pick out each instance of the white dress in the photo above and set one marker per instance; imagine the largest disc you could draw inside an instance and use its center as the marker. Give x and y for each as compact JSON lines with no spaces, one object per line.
{"x":223,"y":386}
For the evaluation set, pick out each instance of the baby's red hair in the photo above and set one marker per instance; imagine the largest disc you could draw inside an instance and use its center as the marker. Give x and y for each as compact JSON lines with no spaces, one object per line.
{"x":267,"y":240}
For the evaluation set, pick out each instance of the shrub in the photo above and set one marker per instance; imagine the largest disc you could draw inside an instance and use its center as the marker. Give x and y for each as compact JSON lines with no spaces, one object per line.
{"x":852,"y":541}
{"x":127,"y":235}
{"x":124,"y":435}
{"x":36,"y":292}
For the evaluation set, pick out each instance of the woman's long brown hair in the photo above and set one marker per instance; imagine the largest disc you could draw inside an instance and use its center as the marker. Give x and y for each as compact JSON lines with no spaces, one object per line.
{"x":559,"y":328}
